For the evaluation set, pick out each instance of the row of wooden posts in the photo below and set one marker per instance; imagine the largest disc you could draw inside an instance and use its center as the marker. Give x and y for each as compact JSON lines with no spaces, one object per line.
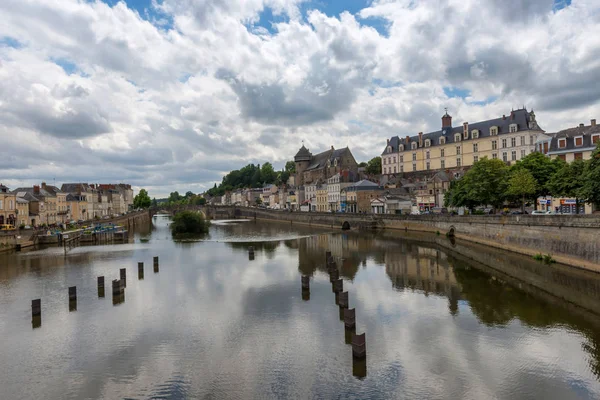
{"x":118,"y":292}
{"x":359,"y":345}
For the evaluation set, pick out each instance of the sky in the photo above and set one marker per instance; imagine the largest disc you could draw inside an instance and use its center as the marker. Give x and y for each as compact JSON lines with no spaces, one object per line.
{"x":172,"y":94}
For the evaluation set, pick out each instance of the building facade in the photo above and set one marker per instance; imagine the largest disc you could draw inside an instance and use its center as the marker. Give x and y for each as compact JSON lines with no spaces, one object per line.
{"x":509,"y":138}
{"x":8,"y":204}
{"x":360,"y":194}
{"x":312,"y":168}
{"x":572,"y":144}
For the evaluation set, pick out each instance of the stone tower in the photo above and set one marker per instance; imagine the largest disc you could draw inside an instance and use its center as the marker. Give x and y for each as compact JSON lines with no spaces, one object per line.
{"x":302,"y":160}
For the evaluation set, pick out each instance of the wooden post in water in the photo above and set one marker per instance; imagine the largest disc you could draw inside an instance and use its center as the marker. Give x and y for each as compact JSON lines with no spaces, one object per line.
{"x":334,"y":275}
{"x":118,"y":291}
{"x":359,"y":346}
{"x":72,"y":298}
{"x":140,"y":270}
{"x":305,"y":282}
{"x":359,"y":367}
{"x":343,"y":300}
{"x":251,"y":253}
{"x":36,"y":313}
{"x":350,"y":318}
{"x":100,"y":286}
{"x":156,"y":264}
{"x":327,"y":256}
{"x":338,"y":285}
{"x":123,"y":276}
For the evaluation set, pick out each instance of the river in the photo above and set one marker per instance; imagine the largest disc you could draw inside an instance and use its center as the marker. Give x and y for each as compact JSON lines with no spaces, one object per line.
{"x":212,"y":323}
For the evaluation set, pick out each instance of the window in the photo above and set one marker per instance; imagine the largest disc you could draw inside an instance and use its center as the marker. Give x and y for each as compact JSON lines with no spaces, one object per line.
{"x":413,"y":145}
{"x":457,"y":137}
{"x":579,"y":141}
{"x":427,"y":165}
{"x":475,"y":159}
{"x":442,"y":140}
{"x":1,"y":205}
{"x":504,"y":156}
{"x":457,"y":150}
{"x":401,"y":148}
{"x":494,"y":156}
{"x":531,"y":140}
{"x":475,"y":147}
{"x":384,"y":170}
{"x":562,"y":157}
{"x":442,"y":152}
{"x":475,"y":134}
{"x":466,"y":134}
{"x":503,"y":143}
{"x":443,"y":164}
{"x":494,"y":144}
{"x":384,"y":161}
{"x":562,"y":143}
{"x":394,"y":160}
{"x":493,"y":131}
{"x":513,"y":155}
{"x":458,"y":162}
{"x":513,"y":142}
{"x":394,"y":169}
{"x":579,"y":156}
{"x":414,"y":156}
{"x":401,"y":159}
{"x":389,"y":149}
{"x":512,"y":128}
{"x":523,"y":153}
{"x":523,"y":141}
{"x":414,"y":167}
{"x":427,"y":155}
{"x":427,"y":143}
{"x":595,"y":138}
{"x":402,"y":168}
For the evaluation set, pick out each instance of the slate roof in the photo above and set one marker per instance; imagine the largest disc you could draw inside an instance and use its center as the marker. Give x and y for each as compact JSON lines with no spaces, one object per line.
{"x":364,"y":185}
{"x":570,"y":134}
{"x":521,"y":117}
{"x":75,"y":187}
{"x":3,"y":188}
{"x":320,"y":160}
{"x":303,"y":154}
{"x":42,"y":193}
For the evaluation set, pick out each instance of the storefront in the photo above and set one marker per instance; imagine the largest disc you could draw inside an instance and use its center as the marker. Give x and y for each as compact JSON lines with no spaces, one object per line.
{"x":563,"y":205}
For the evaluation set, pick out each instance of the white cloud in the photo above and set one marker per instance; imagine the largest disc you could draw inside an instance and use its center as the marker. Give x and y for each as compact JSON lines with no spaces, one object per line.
{"x":175,"y":97}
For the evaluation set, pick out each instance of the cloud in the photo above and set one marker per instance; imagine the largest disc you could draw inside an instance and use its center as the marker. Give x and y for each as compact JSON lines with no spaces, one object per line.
{"x":178,"y":96}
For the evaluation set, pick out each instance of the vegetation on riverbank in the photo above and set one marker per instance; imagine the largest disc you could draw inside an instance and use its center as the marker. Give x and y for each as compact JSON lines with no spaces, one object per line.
{"x":189,"y":223}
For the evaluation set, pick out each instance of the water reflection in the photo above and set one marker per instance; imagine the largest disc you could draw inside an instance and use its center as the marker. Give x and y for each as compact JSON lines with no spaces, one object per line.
{"x":213,"y":324}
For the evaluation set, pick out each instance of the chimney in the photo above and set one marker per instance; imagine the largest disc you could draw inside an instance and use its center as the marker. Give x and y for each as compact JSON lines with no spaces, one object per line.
{"x":407,"y":140}
{"x":581,"y":125}
{"x":36,"y":189}
{"x":503,"y":116}
{"x":465,"y":129}
{"x":44,"y":185}
{"x":332,"y":148}
{"x":593,"y":122}
{"x":388,"y":141}
{"x":512,"y":115}
{"x":420,"y":139}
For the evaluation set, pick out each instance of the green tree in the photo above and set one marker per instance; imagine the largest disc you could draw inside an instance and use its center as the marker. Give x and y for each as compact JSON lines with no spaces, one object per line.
{"x":541,"y":167}
{"x":154,"y":202}
{"x":188,"y":222}
{"x":290,"y":167}
{"x":569,"y":181}
{"x":362,"y":164}
{"x":267,"y":173}
{"x":374,"y":166}
{"x":174,"y":197}
{"x":590,"y":191}
{"x":522,"y":184}
{"x":484,"y":184}
{"x":142,"y":200}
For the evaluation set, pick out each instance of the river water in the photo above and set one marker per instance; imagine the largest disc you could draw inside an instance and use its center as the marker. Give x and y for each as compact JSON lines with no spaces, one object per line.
{"x":214,"y":324}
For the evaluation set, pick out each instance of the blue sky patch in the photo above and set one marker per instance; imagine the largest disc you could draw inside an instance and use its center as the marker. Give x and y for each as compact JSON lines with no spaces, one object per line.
{"x":7,"y":41}
{"x":452,"y":92}
{"x":66,"y":65}
{"x":560,"y":4}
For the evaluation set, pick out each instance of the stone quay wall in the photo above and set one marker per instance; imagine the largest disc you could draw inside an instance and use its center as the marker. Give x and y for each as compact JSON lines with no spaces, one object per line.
{"x":572,"y":240}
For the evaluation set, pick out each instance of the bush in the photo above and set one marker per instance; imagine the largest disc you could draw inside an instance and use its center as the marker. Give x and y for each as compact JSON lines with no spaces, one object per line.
{"x":189,"y":222}
{"x":546,"y":259}
{"x":22,"y":226}
{"x":538,"y":257}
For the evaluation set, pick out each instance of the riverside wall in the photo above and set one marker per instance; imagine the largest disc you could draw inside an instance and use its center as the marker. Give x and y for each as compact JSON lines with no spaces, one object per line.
{"x":572,"y":240}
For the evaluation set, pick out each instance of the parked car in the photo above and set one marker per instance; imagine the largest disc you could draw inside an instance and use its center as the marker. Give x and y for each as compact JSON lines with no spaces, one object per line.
{"x":539,"y":212}
{"x":415,"y":213}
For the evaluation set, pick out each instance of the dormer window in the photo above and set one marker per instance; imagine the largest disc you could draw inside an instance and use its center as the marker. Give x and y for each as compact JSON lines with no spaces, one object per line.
{"x":427,"y":143}
{"x":413,"y":145}
{"x":475,"y":134}
{"x":595,"y":139}
{"x":442,"y":140}
{"x":401,"y":148}
{"x":562,"y":143}
{"x":329,"y":163}
{"x":579,"y":141}
{"x":494,"y":131}
{"x":512,"y":128}
{"x":466,"y":135}
{"x":457,"y":137}
{"x":335,"y":162}
{"x":389,"y":149}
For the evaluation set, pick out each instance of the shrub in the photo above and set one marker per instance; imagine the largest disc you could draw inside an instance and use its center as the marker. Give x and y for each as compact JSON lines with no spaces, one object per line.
{"x":437,"y":233}
{"x":538,"y":257}
{"x":189,"y":222}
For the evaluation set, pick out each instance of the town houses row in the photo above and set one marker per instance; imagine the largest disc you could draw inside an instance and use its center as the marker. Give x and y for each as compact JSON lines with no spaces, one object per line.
{"x":416,"y":171}
{"x":44,"y":204}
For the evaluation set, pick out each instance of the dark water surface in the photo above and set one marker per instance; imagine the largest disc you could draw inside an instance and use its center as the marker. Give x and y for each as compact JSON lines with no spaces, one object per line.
{"x":213,"y":324}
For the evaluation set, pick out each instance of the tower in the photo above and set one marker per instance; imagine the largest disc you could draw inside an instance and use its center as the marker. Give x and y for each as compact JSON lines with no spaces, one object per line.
{"x":302,"y":160}
{"x":446,"y":120}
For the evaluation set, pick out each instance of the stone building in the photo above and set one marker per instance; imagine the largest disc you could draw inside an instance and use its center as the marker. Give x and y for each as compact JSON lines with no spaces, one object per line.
{"x":359,"y":196}
{"x":572,"y":144}
{"x":310,"y":168}
{"x":508,"y":138}
{"x":43,"y":204}
{"x":8,"y":206}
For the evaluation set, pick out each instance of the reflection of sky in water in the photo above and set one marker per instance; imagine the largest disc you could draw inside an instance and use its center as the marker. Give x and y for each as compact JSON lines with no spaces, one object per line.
{"x":214,"y":324}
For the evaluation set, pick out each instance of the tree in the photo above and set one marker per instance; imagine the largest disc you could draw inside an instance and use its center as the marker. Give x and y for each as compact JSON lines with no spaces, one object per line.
{"x":522,"y":183}
{"x":267,"y":173}
{"x":541,"y":167}
{"x":374,"y":166}
{"x":154,"y":202}
{"x":590,"y":190}
{"x":142,"y":200}
{"x":484,"y":184}
{"x":188,"y":194}
{"x":362,"y":164}
{"x":569,"y":181}
{"x":188,"y":222}
{"x":290,"y":167}
{"x":174,"y":197}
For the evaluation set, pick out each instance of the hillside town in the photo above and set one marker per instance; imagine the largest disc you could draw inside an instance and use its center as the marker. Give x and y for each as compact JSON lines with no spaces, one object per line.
{"x":417,"y":171}
{"x":47,"y":205}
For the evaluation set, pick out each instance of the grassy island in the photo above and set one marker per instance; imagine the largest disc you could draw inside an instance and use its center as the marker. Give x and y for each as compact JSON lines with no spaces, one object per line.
{"x":189,"y":223}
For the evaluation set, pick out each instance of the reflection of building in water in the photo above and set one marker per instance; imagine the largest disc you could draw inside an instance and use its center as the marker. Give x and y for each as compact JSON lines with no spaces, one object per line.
{"x":345,"y":249}
{"x":412,"y":266}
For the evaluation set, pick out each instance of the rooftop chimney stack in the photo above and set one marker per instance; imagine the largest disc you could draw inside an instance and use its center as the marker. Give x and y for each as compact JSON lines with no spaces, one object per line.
{"x":420,"y":139}
{"x":44,"y":185}
{"x":581,"y":125}
{"x":503,"y":116}
{"x":36,"y":189}
{"x":465,"y":129}
{"x":593,"y":122}
{"x":407,"y":140}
